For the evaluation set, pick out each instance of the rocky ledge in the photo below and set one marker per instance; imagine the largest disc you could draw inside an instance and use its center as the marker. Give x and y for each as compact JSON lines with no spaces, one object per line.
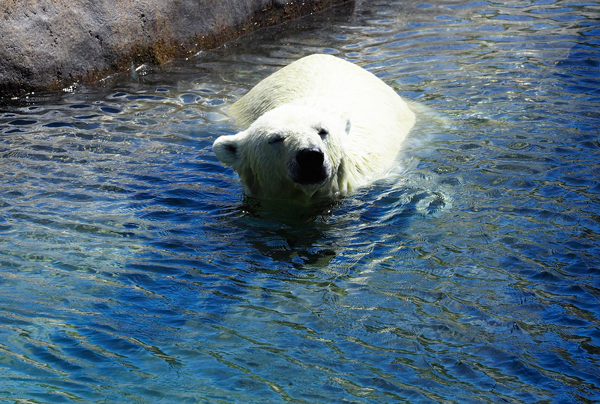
{"x":50,"y":44}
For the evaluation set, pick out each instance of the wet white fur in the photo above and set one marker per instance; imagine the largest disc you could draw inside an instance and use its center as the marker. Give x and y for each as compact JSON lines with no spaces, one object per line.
{"x":366,"y":120}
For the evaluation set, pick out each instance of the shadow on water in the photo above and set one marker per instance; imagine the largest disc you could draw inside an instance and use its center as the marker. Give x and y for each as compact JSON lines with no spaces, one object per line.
{"x":287,"y":232}
{"x":312,"y":236}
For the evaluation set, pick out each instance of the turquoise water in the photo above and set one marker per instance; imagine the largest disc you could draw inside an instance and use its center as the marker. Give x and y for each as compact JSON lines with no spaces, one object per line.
{"x":133,"y":270}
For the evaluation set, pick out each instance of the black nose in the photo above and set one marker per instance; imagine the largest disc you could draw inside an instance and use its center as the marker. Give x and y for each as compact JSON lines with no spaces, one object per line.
{"x":310,"y":159}
{"x":309,"y":168}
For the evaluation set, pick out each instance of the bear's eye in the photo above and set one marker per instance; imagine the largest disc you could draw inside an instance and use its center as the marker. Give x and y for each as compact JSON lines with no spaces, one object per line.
{"x":275,"y":139}
{"x":323,"y":132}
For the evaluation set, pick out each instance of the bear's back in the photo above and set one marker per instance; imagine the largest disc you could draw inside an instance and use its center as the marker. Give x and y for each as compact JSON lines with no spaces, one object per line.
{"x":315,"y":76}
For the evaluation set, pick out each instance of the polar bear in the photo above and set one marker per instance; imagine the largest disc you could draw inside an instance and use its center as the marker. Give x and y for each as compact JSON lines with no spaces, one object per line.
{"x":317,"y":129}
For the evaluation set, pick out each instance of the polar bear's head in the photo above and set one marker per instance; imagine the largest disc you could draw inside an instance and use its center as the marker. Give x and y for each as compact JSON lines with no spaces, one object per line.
{"x":291,"y":152}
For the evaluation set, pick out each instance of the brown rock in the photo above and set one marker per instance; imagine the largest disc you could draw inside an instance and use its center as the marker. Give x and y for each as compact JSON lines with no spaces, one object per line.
{"x":49,"y":44}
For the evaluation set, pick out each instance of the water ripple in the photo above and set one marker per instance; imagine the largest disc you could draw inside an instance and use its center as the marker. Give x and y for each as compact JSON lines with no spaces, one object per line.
{"x":133,"y":269}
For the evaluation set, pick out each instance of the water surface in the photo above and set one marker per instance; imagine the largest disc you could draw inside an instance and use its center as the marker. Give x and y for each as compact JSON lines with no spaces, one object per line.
{"x":133,"y":269}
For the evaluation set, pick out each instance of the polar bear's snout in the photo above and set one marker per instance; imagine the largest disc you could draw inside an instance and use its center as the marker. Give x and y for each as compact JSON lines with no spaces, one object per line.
{"x":309,"y":167}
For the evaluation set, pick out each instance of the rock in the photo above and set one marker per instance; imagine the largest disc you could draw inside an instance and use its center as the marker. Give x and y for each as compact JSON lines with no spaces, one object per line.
{"x":50,"y":44}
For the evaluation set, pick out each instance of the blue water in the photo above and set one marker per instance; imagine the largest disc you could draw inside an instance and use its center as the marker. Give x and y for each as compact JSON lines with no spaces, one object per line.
{"x":133,"y":269}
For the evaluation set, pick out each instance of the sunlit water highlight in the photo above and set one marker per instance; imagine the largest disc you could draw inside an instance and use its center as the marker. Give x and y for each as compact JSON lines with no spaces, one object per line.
{"x":132,"y":269}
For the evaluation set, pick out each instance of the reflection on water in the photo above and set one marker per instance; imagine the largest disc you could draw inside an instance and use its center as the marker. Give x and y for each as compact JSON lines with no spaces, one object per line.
{"x":133,"y":269}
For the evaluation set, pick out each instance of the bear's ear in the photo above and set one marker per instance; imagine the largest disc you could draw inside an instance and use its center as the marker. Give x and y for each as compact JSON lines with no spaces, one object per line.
{"x":227,"y":149}
{"x":348,"y":126}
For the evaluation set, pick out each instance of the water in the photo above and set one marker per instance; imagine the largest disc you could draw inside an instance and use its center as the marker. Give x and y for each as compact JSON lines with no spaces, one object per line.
{"x":133,"y":270}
